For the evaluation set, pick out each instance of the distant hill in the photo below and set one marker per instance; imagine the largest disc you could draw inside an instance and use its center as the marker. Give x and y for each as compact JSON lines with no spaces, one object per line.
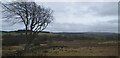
{"x":73,"y":33}
{"x":93,"y":33}
{"x":21,"y":31}
{"x":67,"y":36}
{"x":68,"y":32}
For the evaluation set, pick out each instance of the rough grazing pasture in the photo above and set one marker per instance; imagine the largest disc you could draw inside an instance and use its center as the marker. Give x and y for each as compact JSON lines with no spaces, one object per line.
{"x":48,"y":44}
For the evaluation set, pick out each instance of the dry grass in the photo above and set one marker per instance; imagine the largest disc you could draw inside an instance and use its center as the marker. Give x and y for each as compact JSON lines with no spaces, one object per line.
{"x":10,"y":49}
{"x":83,"y":51}
{"x":73,"y":48}
{"x":79,"y":48}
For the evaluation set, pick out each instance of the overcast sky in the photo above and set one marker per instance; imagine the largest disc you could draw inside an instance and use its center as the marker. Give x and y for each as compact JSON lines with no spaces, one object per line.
{"x":79,"y":17}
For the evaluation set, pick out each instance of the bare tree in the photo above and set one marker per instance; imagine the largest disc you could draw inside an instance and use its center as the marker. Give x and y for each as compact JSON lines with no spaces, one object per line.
{"x":34,"y":17}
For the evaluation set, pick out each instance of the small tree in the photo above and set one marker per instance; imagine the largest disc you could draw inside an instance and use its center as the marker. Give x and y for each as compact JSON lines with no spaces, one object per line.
{"x":34,"y":17}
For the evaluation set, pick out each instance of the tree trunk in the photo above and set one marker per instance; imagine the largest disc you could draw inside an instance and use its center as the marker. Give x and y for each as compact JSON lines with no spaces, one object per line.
{"x":26,"y":34}
{"x":30,"y":38}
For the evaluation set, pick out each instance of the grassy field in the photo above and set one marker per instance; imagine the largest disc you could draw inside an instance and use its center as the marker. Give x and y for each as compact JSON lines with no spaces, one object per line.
{"x":69,"y":48}
{"x":62,"y":46}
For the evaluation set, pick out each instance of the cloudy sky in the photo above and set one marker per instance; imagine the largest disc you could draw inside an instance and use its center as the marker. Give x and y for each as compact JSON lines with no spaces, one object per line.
{"x":79,"y":17}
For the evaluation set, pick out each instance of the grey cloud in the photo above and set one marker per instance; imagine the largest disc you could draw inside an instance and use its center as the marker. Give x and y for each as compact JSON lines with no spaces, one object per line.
{"x":67,"y":27}
{"x":114,"y":21}
{"x":71,"y":27}
{"x":10,"y":27}
{"x":104,"y":27}
{"x":94,"y":11}
{"x":83,"y":8}
{"x":96,"y":8}
{"x":105,"y":9}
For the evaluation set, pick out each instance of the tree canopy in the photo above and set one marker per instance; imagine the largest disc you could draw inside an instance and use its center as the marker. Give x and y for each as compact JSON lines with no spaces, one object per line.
{"x":35,"y":17}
